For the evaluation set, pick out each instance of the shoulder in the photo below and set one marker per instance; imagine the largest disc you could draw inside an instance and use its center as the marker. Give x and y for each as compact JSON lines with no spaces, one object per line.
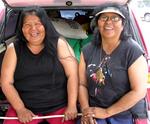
{"x":10,"y":47}
{"x":132,"y":50}
{"x":132,"y":45}
{"x":62,"y":44}
{"x":10,"y":53}
{"x":90,"y":46}
{"x":63,"y":48}
{"x":88,"y":51}
{"x":61,"y":41}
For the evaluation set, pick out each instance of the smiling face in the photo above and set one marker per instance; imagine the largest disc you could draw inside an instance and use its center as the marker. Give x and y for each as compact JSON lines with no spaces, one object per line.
{"x":110,"y":25}
{"x":33,"y":30}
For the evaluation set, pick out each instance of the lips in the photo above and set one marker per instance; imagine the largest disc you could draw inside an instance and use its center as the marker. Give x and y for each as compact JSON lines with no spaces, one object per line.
{"x":108,"y":28}
{"x":34,"y":34}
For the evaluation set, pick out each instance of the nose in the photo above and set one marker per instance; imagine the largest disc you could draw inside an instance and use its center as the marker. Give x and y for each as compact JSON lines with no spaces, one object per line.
{"x":33,"y":26}
{"x":108,"y":20}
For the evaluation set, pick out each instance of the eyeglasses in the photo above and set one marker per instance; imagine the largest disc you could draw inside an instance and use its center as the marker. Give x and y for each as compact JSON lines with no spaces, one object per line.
{"x":112,"y":18}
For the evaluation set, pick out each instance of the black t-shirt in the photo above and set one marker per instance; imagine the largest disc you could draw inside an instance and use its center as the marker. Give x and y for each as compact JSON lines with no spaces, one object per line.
{"x":115,"y":69}
{"x":41,"y":90}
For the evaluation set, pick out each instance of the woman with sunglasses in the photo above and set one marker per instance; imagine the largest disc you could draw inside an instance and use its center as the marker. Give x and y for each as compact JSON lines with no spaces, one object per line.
{"x":112,"y":71}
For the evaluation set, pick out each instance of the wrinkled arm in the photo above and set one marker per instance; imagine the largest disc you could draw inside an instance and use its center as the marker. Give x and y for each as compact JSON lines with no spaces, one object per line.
{"x":7,"y":78}
{"x":70,"y":65}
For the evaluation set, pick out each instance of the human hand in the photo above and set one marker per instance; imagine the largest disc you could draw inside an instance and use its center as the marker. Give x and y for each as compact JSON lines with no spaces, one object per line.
{"x":88,"y":112}
{"x":70,"y":113}
{"x":96,"y":112}
{"x":88,"y":116}
{"x":25,"y":115}
{"x":88,"y":120}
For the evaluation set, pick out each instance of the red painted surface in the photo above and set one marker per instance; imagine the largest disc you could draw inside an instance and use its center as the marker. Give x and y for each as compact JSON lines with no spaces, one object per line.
{"x":15,"y":3}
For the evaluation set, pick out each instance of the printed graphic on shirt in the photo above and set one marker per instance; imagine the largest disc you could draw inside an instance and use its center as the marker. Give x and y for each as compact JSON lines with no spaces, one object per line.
{"x":98,"y":73}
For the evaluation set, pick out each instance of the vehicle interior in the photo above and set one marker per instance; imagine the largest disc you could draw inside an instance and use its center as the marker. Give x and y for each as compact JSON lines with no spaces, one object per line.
{"x":71,"y":19}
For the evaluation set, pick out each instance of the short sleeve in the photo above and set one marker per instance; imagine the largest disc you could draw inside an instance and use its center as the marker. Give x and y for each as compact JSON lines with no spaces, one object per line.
{"x":87,"y":51}
{"x":134,"y":51}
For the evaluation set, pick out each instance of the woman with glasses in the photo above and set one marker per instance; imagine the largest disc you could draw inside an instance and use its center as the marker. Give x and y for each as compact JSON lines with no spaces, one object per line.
{"x":112,"y":71}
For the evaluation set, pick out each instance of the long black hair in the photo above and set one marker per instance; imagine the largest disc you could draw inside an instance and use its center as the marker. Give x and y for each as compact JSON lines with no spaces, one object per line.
{"x":123,"y":9}
{"x":51,"y":36}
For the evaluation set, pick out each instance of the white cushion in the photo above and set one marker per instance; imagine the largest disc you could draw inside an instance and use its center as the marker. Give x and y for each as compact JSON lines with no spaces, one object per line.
{"x":69,"y":28}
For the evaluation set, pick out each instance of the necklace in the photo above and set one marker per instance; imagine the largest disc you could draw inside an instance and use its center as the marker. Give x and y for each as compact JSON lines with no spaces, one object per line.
{"x":100,"y":73}
{"x":100,"y":76}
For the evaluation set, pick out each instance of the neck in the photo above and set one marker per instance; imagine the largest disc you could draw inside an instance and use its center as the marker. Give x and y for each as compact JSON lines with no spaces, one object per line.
{"x":35,"y":48}
{"x":109,"y":45}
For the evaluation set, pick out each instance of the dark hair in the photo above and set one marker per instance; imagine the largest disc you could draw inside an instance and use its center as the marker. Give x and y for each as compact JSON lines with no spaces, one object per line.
{"x":51,"y":36}
{"x":123,"y":9}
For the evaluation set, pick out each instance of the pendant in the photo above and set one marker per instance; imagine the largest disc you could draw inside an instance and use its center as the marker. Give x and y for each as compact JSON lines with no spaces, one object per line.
{"x":100,"y":76}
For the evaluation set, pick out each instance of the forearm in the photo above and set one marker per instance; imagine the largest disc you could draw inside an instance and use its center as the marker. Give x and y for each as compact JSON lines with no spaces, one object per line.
{"x":72,"y":89}
{"x":83,"y":97}
{"x":12,"y":96}
{"x":126,"y":102}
